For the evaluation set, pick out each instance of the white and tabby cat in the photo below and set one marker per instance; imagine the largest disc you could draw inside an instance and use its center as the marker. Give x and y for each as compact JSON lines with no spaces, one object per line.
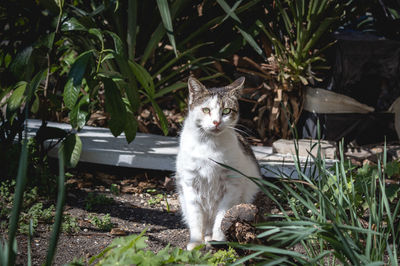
{"x":206,"y":189}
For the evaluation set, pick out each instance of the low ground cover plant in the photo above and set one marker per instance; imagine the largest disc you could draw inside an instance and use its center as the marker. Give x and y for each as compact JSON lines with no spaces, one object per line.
{"x":92,"y":200}
{"x":337,"y":214}
{"x":102,"y":223}
{"x":131,"y":250}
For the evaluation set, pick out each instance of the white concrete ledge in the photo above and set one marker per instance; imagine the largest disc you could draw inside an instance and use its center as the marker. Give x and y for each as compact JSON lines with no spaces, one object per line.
{"x":150,"y":151}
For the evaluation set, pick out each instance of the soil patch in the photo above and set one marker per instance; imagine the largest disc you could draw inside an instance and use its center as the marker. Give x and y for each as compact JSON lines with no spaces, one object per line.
{"x":137,"y":200}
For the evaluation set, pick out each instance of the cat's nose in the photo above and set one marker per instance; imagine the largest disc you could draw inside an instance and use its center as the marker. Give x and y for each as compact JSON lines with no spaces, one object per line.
{"x":216,"y":123}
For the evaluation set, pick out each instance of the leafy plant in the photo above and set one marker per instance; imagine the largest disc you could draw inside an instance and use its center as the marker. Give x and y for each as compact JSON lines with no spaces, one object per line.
{"x":35,"y":214}
{"x":8,"y":250}
{"x":92,"y":200}
{"x":70,"y":224}
{"x":114,"y":189}
{"x":324,"y":218}
{"x":223,"y":257}
{"x":103,"y":223}
{"x":290,"y":40}
{"x":132,"y":250}
{"x":156,"y":199}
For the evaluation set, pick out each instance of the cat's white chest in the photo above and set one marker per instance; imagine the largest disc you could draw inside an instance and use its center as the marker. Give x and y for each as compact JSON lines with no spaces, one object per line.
{"x":202,"y":156}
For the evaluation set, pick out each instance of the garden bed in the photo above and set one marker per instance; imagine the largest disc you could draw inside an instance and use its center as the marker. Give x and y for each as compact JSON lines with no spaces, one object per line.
{"x":135,"y":200}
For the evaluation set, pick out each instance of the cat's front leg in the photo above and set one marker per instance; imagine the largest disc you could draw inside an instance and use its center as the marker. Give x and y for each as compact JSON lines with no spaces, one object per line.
{"x":230,"y":199}
{"x":194,"y":217}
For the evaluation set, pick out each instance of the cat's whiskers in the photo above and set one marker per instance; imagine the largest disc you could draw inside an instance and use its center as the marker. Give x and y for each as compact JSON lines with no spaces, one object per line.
{"x":243,"y":126}
{"x":239,"y":130}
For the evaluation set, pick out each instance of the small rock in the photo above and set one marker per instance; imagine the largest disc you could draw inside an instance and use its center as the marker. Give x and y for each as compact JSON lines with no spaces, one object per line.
{"x":169,"y":184}
{"x":283,"y":146}
{"x":118,"y":232}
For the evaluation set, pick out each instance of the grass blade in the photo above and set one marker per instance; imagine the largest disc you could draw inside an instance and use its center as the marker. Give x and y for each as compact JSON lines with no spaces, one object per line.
{"x":167,"y":21}
{"x":59,"y":210}
{"x":16,"y":210}
{"x":30,"y":235}
{"x":132,"y":25}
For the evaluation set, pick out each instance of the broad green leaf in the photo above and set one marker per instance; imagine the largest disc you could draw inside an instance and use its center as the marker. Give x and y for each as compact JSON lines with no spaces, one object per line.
{"x":167,"y":21}
{"x":131,"y":126}
{"x":72,"y":146}
{"x":96,"y":32}
{"x":131,"y":89}
{"x":75,"y":76}
{"x":71,"y":94}
{"x":46,"y":132}
{"x":119,"y":47}
{"x":72,"y":24}
{"x":115,"y":106}
{"x":17,"y":97}
{"x":35,"y":82}
{"x":392,"y":168}
{"x":79,"y":113}
{"x":19,"y":66}
{"x":35,"y":104}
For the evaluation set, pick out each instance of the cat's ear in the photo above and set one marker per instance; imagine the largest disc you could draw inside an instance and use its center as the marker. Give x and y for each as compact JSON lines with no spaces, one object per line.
{"x":235,"y":88}
{"x":195,"y":88}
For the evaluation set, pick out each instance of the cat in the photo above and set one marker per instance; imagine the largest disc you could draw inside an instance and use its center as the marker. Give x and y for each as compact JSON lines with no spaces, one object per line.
{"x":206,"y":189}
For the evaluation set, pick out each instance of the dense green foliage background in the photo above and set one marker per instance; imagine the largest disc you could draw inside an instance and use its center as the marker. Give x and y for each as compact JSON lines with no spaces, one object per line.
{"x":70,"y":58}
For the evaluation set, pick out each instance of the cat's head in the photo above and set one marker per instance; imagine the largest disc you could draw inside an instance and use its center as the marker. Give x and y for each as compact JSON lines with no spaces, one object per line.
{"x":214,"y":109}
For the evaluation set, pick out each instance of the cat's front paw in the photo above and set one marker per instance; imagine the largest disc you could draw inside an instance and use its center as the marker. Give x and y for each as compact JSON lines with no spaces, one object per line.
{"x":218,"y":236}
{"x":192,"y":245}
{"x":208,"y":238}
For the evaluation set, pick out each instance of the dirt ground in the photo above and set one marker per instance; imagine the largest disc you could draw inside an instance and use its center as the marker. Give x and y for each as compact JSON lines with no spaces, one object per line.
{"x":138,"y":206}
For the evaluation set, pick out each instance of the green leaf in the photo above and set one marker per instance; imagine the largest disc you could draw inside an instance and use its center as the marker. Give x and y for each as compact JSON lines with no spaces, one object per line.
{"x":75,"y":76}
{"x":46,"y":132}
{"x":35,"y":104}
{"x":17,"y":97}
{"x":72,"y":24}
{"x":131,"y":126}
{"x":34,"y":84}
{"x":161,"y":117}
{"x":392,"y":191}
{"x":98,"y":34}
{"x":131,"y":89}
{"x":143,"y":77}
{"x":392,"y":168}
{"x":19,"y":64}
{"x":72,"y":148}
{"x":159,"y":33}
{"x":167,"y":21}
{"x":71,"y":94}
{"x":115,"y":106}
{"x":251,"y":41}
{"x":132,"y":28}
{"x":17,"y":202}
{"x":60,"y":202}
{"x":79,"y":113}
{"x":119,"y":47}
{"x":230,"y":12}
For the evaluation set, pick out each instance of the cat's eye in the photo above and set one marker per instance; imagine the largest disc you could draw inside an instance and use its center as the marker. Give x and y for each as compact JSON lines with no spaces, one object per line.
{"x":206,"y":110}
{"x":226,"y":111}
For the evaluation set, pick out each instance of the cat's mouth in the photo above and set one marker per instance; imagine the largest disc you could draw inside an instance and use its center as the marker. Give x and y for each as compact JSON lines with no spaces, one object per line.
{"x":216,"y":130}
